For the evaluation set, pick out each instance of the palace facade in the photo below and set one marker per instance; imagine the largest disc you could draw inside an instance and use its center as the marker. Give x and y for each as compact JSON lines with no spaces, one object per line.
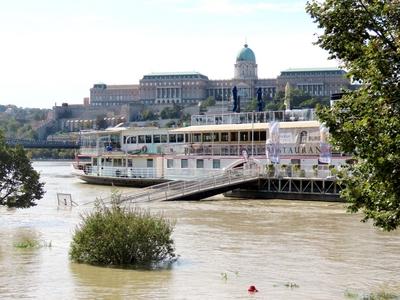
{"x":193,"y":87}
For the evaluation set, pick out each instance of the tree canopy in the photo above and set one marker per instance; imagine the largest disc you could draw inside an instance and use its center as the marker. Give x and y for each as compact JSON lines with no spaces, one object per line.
{"x":122,"y":236}
{"x":19,"y":182}
{"x":365,"y":37}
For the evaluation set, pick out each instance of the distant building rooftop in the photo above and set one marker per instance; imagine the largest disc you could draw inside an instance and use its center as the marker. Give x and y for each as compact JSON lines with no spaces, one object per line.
{"x":115,"y":86}
{"x":299,"y":70}
{"x":175,"y":75}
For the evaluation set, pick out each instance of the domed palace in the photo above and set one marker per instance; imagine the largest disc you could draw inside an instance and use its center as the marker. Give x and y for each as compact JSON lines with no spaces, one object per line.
{"x":193,"y":87}
{"x":246,"y":67}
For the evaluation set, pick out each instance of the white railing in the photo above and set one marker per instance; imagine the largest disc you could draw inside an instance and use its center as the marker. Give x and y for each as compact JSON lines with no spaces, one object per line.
{"x":225,"y":149}
{"x":99,"y":151}
{"x":187,"y":173}
{"x":301,"y":171}
{"x":121,"y":172}
{"x":255,"y":117}
{"x":175,"y":189}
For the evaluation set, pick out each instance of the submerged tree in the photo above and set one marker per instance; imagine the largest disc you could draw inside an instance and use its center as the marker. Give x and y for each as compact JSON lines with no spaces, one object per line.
{"x":19,"y":182}
{"x":121,"y":236}
{"x":365,"y":37}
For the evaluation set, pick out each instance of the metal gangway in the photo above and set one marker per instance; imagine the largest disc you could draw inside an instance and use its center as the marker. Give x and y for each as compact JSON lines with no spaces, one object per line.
{"x":194,"y":189}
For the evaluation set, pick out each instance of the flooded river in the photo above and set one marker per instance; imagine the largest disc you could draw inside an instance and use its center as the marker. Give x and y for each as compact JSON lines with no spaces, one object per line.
{"x":287,"y":249}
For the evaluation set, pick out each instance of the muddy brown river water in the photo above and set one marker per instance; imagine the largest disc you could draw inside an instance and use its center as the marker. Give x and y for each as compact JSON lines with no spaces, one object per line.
{"x":287,"y":249}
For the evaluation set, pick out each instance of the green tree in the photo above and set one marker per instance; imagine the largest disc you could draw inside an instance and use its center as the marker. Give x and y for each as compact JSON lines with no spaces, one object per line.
{"x":210,"y":101}
{"x":365,"y":37}
{"x":148,"y":115}
{"x":174,"y":112}
{"x":251,"y":105}
{"x":122,"y":236}
{"x":19,"y":182}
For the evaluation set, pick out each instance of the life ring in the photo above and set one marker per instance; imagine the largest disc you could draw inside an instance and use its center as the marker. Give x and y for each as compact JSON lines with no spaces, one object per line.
{"x":144,"y":148}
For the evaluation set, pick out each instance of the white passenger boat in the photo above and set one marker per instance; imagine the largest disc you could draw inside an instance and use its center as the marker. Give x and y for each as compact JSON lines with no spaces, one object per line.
{"x":125,"y":156}
{"x":284,"y":143}
{"x":287,"y":143}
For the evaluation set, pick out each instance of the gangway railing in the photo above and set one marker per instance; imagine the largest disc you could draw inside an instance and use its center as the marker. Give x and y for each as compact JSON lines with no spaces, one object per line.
{"x":178,"y":189}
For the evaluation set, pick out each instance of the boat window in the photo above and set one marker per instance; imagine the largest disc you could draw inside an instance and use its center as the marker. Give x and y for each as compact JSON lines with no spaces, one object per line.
{"x":199,"y":163}
{"x":141,"y":139}
{"x":184,"y":163}
{"x":156,"y":139}
{"x":196,"y":137}
{"x":234,"y":136}
{"x":150,"y":163}
{"x":303,"y":137}
{"x":263,"y":135}
{"x":216,"y":164}
{"x":106,"y":162}
{"x":244,"y":136}
{"x":256,"y":135}
{"x":186,"y":138}
{"x":224,"y":137}
{"x":130,"y":164}
{"x":131,"y":140}
{"x":179,"y":138}
{"x":164,"y":138}
{"x":148,"y":139}
{"x":207,"y":137}
{"x":94,"y":161}
{"x":170,"y":163}
{"x":215,"y":136}
{"x":172,"y":138}
{"x":117,"y":162}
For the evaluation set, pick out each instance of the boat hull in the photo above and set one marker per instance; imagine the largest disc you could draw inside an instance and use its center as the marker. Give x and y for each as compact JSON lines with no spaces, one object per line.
{"x":121,"y":181}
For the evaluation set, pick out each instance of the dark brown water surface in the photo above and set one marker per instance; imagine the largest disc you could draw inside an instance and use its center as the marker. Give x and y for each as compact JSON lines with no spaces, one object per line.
{"x":225,"y":245}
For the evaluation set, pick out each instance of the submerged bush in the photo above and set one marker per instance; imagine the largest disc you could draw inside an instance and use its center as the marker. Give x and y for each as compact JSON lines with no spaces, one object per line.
{"x":121,"y":236}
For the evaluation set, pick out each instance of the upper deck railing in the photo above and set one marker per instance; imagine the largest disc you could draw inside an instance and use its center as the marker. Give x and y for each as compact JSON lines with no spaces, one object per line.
{"x":255,"y":117}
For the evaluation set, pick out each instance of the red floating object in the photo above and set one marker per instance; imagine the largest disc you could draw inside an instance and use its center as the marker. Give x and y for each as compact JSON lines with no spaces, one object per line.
{"x":252,"y":289}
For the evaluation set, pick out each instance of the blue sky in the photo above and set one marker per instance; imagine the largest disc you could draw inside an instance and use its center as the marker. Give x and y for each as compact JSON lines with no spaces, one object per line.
{"x":54,"y":51}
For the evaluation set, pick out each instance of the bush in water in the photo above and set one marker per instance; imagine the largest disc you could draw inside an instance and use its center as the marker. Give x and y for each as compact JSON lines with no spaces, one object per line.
{"x":121,"y":236}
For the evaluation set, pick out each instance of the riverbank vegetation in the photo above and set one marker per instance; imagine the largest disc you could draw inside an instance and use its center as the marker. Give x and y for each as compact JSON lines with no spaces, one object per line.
{"x":17,"y":122}
{"x":51,"y":153}
{"x":364,"y":36}
{"x":120,"y":236}
{"x":32,"y":243}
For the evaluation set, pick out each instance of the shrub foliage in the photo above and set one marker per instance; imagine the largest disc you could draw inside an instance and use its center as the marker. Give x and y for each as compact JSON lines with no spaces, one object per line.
{"x":120,"y":236}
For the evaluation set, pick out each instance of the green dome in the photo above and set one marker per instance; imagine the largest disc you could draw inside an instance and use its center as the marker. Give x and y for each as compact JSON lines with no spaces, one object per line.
{"x":246,"y":54}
